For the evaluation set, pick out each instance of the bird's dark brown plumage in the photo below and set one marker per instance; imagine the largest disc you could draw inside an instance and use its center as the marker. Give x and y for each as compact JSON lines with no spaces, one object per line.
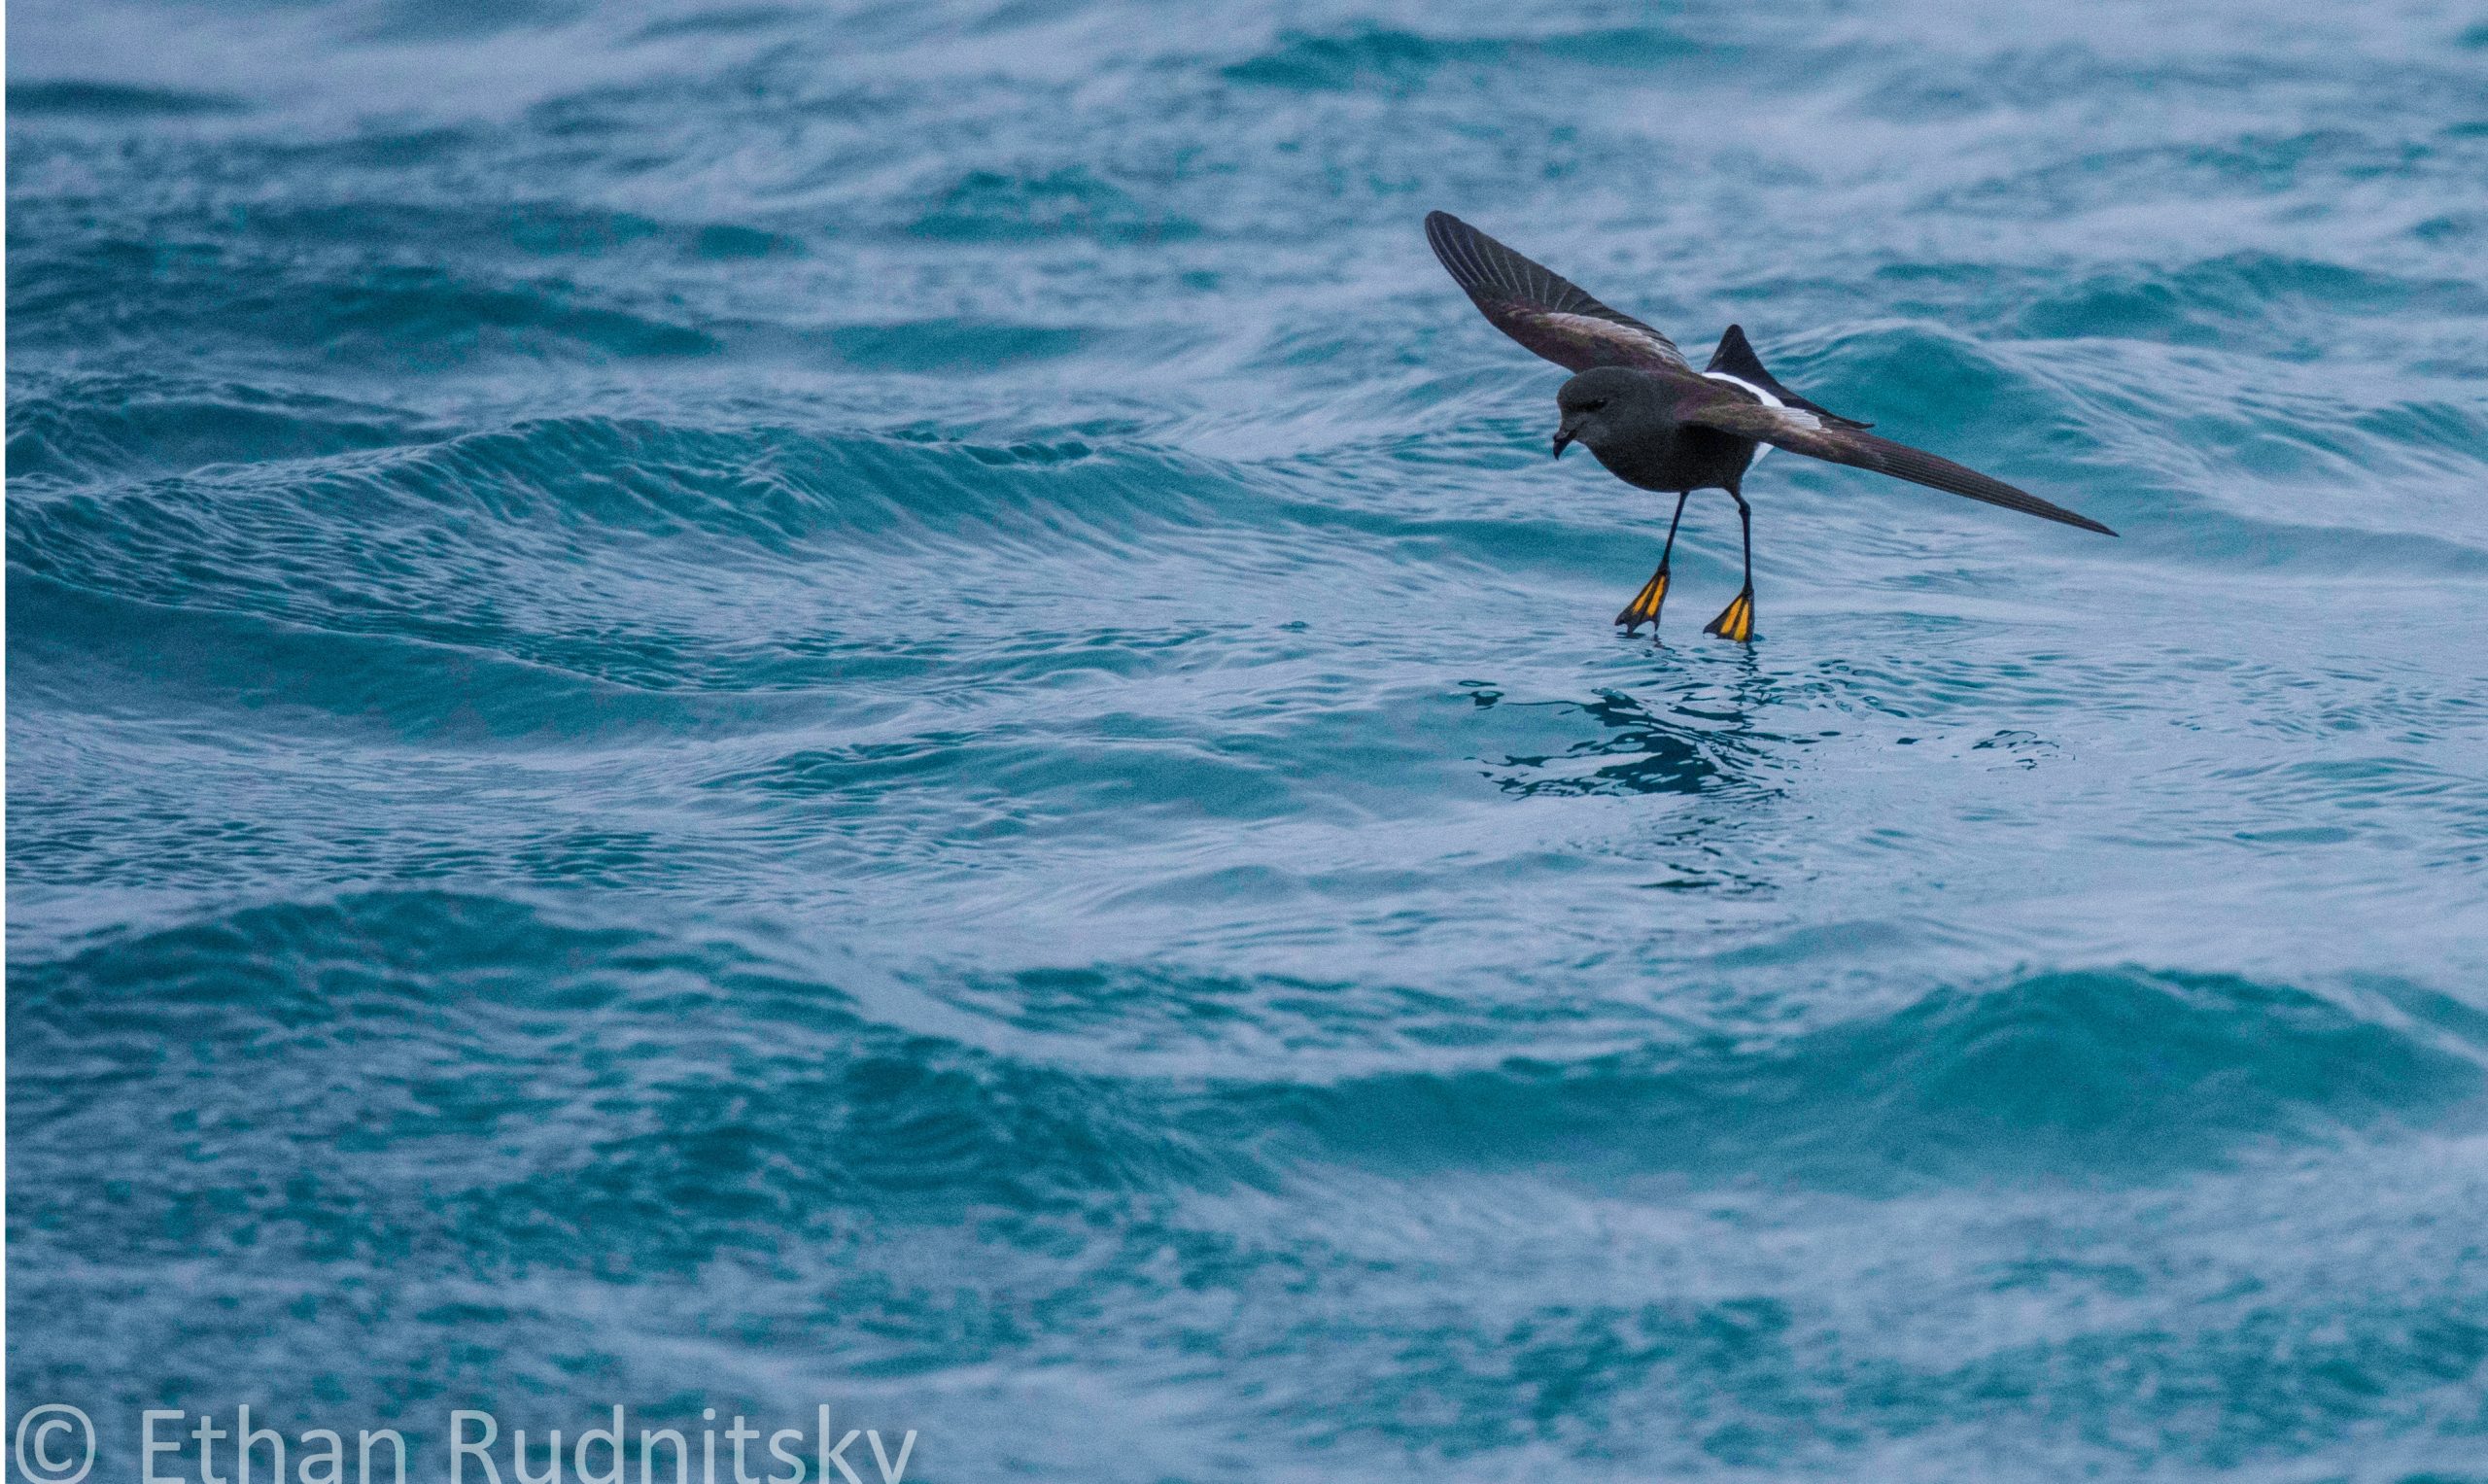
{"x":1543,"y":310}
{"x":1657,"y":422}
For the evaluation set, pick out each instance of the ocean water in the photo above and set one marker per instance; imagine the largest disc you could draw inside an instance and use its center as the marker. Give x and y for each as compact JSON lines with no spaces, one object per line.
{"x":740,"y":706}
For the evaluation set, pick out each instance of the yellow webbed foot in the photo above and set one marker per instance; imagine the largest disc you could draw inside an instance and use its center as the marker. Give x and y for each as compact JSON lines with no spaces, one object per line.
{"x":1736,"y":622}
{"x":1644,"y":606}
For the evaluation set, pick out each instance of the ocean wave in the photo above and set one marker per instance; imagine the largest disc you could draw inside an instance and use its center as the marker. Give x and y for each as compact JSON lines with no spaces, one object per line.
{"x":89,"y":429}
{"x":1389,"y":60}
{"x":2067,"y":1076}
{"x":2114,"y":1075}
{"x":772,"y":1098}
{"x":449,"y":541}
{"x":421,"y":314}
{"x":114,"y":100}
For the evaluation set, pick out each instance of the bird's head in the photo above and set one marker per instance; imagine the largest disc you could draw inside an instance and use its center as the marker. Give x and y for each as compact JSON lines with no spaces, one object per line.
{"x":1600,"y":405}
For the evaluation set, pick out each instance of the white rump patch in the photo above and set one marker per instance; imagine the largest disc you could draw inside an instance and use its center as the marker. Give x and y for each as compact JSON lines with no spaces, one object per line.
{"x":1767,"y":401}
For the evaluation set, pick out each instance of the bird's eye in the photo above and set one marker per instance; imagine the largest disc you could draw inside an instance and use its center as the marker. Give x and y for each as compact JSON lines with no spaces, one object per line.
{"x":1594,"y":404}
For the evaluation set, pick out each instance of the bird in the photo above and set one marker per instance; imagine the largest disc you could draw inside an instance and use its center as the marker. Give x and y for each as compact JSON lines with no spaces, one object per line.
{"x":1656,"y":423}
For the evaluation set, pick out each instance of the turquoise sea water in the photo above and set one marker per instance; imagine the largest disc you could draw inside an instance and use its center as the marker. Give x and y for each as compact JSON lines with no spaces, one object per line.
{"x":735,"y":707}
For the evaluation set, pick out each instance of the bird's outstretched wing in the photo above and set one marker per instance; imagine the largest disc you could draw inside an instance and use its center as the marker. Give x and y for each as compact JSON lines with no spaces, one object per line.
{"x":1801,"y":431}
{"x":1543,"y":310}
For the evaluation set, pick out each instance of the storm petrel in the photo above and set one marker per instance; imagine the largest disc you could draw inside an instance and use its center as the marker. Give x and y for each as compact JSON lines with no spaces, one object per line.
{"x":1658,"y":424}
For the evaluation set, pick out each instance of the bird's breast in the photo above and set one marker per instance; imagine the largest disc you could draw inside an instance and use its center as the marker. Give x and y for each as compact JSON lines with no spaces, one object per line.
{"x":1649,"y":460}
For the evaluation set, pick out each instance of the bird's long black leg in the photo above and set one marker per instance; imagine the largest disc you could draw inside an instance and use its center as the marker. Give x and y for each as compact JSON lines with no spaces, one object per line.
{"x":1644,"y":606}
{"x":1736,"y":621}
